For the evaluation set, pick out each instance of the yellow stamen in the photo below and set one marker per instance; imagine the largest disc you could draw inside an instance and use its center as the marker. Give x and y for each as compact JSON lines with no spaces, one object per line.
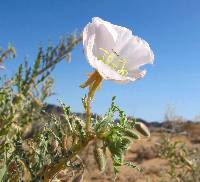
{"x":108,"y":57}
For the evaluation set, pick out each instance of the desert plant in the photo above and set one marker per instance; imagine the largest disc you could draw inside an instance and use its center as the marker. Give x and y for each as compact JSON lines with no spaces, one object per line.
{"x":22,"y":97}
{"x":183,"y":163}
{"x":105,"y":133}
{"x":45,"y":154}
{"x":55,"y":147}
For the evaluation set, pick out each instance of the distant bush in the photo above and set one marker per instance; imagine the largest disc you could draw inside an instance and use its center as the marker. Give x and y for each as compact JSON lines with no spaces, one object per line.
{"x":183,"y":163}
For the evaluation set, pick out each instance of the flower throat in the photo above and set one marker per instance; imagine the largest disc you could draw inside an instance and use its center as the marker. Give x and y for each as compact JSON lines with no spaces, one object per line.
{"x":108,"y":59}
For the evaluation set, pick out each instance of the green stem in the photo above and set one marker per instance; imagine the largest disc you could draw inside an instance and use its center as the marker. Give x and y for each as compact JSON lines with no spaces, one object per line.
{"x":52,"y":170}
{"x":88,"y":115}
{"x":93,"y":88}
{"x":58,"y":59}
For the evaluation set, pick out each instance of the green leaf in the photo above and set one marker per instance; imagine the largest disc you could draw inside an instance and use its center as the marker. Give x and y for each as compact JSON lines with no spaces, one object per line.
{"x":130,"y":133}
{"x":3,"y":170}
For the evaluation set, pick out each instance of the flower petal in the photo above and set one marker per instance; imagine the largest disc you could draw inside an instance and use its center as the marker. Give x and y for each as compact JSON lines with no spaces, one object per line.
{"x":107,"y":72}
{"x":137,"y":52}
{"x":104,"y":33}
{"x":124,"y":35}
{"x":110,"y":27}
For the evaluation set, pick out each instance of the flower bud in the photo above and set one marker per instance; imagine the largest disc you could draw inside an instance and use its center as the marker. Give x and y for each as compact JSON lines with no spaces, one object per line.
{"x":142,"y":129}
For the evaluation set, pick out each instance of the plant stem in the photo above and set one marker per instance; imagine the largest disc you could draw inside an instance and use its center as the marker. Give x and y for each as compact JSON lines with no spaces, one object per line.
{"x":52,"y":170}
{"x":88,"y":115}
{"x":59,"y":58}
{"x":92,"y":89}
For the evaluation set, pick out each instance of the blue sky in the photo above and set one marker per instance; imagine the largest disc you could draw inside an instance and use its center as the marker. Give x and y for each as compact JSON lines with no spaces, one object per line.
{"x":171,"y":27}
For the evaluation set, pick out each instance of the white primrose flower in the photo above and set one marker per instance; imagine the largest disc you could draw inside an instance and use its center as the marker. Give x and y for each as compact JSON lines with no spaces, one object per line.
{"x":115,"y":52}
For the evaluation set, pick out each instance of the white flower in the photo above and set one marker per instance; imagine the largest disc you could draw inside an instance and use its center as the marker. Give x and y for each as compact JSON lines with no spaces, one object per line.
{"x":115,"y":52}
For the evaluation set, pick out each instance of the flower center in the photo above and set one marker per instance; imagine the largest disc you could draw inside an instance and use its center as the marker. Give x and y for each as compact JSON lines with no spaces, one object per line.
{"x":114,"y":61}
